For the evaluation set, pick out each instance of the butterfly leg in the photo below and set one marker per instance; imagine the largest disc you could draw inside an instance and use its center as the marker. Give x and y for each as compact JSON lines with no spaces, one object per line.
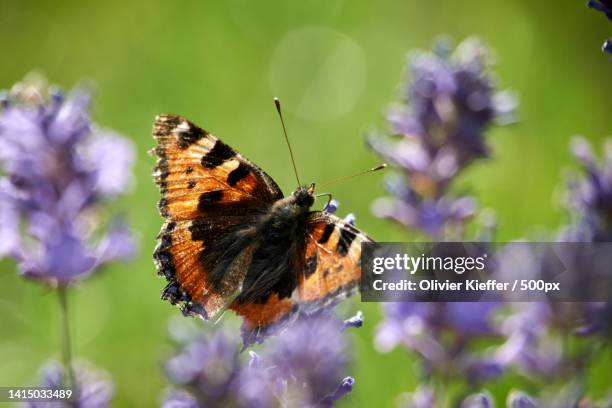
{"x":329,"y":199}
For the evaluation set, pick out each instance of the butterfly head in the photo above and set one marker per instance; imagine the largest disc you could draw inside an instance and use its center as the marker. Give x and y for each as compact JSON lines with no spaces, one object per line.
{"x":304,"y":195}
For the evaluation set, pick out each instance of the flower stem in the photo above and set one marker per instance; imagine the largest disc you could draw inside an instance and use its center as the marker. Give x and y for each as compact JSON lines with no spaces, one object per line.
{"x":65,"y":330}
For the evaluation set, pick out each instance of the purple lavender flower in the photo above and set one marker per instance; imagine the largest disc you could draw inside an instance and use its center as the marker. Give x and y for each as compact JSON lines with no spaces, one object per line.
{"x":302,"y":365}
{"x":207,"y":367}
{"x":93,"y":387}
{"x":518,"y":399}
{"x":528,"y":344}
{"x":590,"y":204}
{"x":332,"y":206}
{"x":482,"y":400}
{"x":179,"y":399}
{"x":57,"y":168}
{"x":437,"y":130}
{"x":590,"y":198}
{"x":531,"y":344}
{"x":569,"y":395}
{"x":354,"y":321}
{"x":345,"y":387}
{"x":422,"y":397}
{"x":441,"y":334}
{"x":596,"y":318}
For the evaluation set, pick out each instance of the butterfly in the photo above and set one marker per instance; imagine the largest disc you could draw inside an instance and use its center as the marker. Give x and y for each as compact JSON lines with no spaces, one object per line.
{"x":231,"y":240}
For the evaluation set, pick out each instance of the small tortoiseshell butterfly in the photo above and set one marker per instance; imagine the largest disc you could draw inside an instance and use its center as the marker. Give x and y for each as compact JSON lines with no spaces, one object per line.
{"x":232,"y":240}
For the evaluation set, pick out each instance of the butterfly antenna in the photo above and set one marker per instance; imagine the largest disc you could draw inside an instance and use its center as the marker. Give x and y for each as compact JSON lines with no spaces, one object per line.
{"x":339,"y":179}
{"x":280,"y":114}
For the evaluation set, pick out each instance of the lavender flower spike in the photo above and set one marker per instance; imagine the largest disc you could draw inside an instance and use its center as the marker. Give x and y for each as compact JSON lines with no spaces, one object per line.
{"x":355,"y":321}
{"x":517,"y":399}
{"x":590,"y":199}
{"x":482,"y":400}
{"x":207,"y":365}
{"x":441,"y":334}
{"x":344,"y":388}
{"x":93,"y":390}
{"x":422,"y":397}
{"x":435,"y":131}
{"x":179,"y":399}
{"x":56,"y":167}
{"x":303,"y":365}
{"x":590,"y":203}
{"x":331,"y":206}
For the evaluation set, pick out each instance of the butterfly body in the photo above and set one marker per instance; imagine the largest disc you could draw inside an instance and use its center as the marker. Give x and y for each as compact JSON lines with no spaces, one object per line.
{"x":232,"y":240}
{"x":274,"y":246}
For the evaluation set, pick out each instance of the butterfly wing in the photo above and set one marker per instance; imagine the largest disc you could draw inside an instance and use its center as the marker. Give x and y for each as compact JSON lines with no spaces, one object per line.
{"x":199,"y":175}
{"x":332,"y":261}
{"x":330,"y":271}
{"x":211,"y":197}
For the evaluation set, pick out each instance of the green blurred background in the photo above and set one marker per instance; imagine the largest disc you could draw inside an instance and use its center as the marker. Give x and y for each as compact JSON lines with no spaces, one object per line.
{"x":336,"y":65}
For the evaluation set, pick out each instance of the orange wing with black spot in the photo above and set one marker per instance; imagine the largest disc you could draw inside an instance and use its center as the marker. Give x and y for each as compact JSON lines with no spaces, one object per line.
{"x":198,"y":173}
{"x":332,"y":261}
{"x":330,"y":272}
{"x":208,"y":191}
